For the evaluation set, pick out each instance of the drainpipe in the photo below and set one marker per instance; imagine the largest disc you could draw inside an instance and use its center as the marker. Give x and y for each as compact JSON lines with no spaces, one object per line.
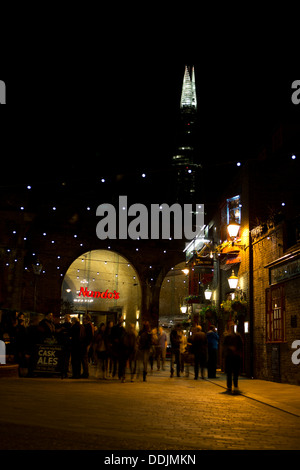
{"x":251,"y":306}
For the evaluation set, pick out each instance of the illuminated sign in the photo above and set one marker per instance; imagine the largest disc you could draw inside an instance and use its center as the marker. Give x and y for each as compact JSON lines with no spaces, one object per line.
{"x":96,"y":294}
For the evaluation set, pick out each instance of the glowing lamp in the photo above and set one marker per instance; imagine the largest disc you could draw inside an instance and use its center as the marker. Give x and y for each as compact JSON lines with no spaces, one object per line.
{"x":233,"y":281}
{"x":208,"y":293}
{"x":233,"y":229}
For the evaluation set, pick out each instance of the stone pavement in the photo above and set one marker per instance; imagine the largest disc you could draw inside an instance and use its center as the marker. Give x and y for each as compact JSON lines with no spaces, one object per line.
{"x":161,"y":414}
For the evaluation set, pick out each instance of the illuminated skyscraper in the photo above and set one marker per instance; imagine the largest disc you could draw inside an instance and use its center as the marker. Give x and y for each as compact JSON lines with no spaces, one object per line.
{"x":186,"y":161}
{"x":188,"y":102}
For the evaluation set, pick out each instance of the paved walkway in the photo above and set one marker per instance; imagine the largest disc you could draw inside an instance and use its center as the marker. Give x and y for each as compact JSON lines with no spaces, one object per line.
{"x":282,"y":396}
{"x":162,"y":414}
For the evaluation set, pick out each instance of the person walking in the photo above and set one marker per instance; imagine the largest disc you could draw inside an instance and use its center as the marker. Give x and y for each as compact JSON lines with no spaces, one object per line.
{"x":109,"y":352}
{"x":199,"y":348}
{"x":175,"y":339}
{"x":144,"y":345}
{"x":88,"y":340}
{"x":100,"y":350}
{"x":153,"y":350}
{"x":21,"y":332}
{"x":65,"y":338}
{"x":77,"y":334}
{"x":130,"y":350}
{"x":117,"y":338}
{"x":212,"y":346}
{"x":233,"y":353}
{"x":162,"y":343}
{"x":182,"y":349}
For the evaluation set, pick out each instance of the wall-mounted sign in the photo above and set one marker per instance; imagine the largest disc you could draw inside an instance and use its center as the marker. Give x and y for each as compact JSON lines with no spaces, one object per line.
{"x":285,"y":271}
{"x":96,"y":294}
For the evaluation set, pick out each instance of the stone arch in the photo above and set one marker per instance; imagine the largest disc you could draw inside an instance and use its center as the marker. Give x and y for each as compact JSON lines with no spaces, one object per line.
{"x":174,"y":287}
{"x":102,"y":281}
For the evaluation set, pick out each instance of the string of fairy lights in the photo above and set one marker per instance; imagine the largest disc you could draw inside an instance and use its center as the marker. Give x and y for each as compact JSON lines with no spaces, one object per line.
{"x":50,"y":252}
{"x":11,"y":250}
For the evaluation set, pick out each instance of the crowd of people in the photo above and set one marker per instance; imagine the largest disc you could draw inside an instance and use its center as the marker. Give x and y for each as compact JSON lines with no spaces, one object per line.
{"x":112,"y":348}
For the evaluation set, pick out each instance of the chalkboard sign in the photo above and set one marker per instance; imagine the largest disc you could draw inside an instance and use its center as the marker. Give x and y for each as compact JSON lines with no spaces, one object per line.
{"x":48,"y":357}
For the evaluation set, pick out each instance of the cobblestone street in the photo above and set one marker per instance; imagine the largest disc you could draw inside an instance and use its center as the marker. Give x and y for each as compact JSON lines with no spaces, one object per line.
{"x":161,"y":414}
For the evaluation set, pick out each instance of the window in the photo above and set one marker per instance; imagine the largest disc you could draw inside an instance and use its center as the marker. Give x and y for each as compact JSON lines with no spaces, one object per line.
{"x":275,"y":314}
{"x":234,"y":210}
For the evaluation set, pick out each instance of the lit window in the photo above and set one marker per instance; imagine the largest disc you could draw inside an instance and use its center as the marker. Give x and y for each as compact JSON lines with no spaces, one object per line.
{"x":275,"y":315}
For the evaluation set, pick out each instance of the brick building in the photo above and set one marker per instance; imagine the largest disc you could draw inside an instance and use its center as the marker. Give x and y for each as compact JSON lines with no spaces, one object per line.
{"x":263,"y":200}
{"x":276,"y":302}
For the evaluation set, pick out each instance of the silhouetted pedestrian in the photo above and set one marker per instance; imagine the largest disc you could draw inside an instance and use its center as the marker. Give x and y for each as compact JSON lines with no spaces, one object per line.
{"x":117,"y":337}
{"x":64,"y":337}
{"x":130,"y":343}
{"x":47,"y":327}
{"x":212,"y":344}
{"x":21,"y":344}
{"x":77,"y":338}
{"x":199,"y":348}
{"x":86,"y":344}
{"x":109,"y":352}
{"x":101,"y":351}
{"x":161,"y":350}
{"x":175,"y":339}
{"x":233,"y":353}
{"x":144,"y":345}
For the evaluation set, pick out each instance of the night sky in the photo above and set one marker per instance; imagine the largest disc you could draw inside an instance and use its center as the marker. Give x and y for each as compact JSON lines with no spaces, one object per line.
{"x":118,"y":115}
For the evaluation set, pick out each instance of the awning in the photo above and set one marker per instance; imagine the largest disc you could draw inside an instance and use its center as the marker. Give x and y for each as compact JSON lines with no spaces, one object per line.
{"x":235,"y":260}
{"x":230,"y":256}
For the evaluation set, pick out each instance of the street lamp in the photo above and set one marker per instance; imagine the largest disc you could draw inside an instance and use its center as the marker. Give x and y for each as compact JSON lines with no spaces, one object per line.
{"x":233,"y":229}
{"x":37,"y":269}
{"x":207,"y":293}
{"x":233,"y":281}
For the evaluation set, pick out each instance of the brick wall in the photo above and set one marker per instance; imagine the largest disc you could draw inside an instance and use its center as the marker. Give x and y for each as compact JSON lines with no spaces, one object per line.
{"x":267,"y":247}
{"x":291,"y":372}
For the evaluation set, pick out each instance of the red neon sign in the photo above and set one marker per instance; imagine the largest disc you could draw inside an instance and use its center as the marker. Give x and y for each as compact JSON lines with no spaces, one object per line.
{"x":103,"y":295}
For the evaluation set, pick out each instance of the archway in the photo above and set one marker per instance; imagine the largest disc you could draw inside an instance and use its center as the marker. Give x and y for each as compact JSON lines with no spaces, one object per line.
{"x":104,"y":284}
{"x":174,"y":289}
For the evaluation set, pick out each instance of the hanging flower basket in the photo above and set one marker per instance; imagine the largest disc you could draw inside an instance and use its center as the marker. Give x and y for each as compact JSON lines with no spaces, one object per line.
{"x":232,"y":309}
{"x":209,"y":313}
{"x":239,"y":306}
{"x":192,"y":299}
{"x":226,"y":306}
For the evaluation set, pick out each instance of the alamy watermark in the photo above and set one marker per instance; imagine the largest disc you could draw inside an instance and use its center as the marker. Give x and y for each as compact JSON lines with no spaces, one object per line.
{"x":2,"y":352}
{"x":296,"y":93}
{"x":2,"y":92}
{"x":296,"y":354}
{"x":161,"y":222}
